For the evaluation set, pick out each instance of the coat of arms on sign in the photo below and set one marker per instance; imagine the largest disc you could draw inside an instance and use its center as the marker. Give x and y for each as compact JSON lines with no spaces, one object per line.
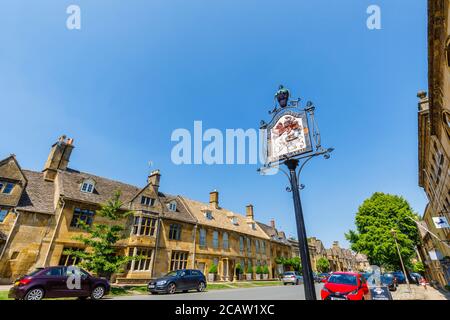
{"x":288,"y":135}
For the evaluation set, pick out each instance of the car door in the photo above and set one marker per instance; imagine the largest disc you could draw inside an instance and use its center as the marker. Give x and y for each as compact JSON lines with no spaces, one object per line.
{"x":78,"y":285}
{"x":55,"y":282}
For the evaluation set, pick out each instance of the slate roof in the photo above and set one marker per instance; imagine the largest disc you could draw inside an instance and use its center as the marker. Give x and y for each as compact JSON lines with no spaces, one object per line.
{"x":274,"y":234}
{"x":222,"y":218}
{"x":38,"y":195}
{"x":182,"y":212}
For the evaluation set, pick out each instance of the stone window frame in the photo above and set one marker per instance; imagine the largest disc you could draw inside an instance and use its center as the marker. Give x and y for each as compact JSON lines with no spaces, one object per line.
{"x":4,"y":185}
{"x":88,"y":213}
{"x":144,"y":225}
{"x":178,"y":260}
{"x":87,"y":186}
{"x":202,"y":242}
{"x":175,"y":231}
{"x":143,"y":265}
{"x":225,"y":241}
{"x":172,"y":206}
{"x":215,"y":239}
{"x":148,"y":201}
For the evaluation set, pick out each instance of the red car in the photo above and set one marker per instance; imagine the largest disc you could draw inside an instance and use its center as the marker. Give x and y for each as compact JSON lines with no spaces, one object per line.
{"x":345,"y":286}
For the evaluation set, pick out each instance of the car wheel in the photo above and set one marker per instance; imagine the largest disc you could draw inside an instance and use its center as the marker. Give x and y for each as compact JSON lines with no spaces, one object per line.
{"x":35,"y":294}
{"x":171,"y":288}
{"x":201,"y":287}
{"x":284,"y":283}
{"x":98,"y":293}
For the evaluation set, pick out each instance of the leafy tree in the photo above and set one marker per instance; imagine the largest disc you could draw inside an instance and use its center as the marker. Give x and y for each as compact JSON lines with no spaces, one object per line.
{"x":374,"y":220}
{"x":101,"y":255}
{"x":418,"y":267}
{"x":323,"y":265}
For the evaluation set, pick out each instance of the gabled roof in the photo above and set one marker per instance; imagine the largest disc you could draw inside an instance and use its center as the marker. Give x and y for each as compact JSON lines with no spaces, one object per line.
{"x":182,"y":213}
{"x":38,"y":195}
{"x":274,"y":234}
{"x":13,"y":172}
{"x":221,"y":218}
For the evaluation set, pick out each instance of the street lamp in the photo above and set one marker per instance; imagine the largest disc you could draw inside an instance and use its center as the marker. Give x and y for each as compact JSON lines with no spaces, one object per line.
{"x":289,"y":142}
{"x":394,"y":235}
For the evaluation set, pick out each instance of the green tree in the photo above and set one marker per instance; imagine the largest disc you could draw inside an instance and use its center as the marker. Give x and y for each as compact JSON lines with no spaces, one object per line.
{"x":418,"y":267}
{"x":213,"y":269}
{"x":323,"y":265}
{"x":374,"y":220}
{"x":101,"y":256}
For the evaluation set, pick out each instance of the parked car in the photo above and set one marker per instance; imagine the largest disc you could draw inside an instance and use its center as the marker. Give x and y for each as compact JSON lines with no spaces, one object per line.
{"x":416,"y":277}
{"x":317,"y":277}
{"x":345,"y":286}
{"x":399,"y":276}
{"x":324,"y":277}
{"x":292,"y":277}
{"x":178,"y":280}
{"x":51,"y":282}
{"x":388,"y":280}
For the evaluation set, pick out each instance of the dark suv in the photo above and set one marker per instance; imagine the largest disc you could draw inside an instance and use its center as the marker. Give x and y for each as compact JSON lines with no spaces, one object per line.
{"x":54,"y":282}
{"x":179,"y":280}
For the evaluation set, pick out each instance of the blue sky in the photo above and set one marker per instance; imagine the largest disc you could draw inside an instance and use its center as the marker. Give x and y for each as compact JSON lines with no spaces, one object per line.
{"x":137,"y":70}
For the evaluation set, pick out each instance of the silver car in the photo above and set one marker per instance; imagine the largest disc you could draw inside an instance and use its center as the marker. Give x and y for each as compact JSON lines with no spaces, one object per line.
{"x":292,"y":277}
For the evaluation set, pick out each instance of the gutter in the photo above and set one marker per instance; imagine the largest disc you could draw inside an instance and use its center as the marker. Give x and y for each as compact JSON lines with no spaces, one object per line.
{"x":58,"y":223}
{"x":10,"y":233}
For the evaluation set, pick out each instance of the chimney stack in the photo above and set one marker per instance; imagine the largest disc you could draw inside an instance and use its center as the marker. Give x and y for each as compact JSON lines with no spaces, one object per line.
{"x":249,"y":212}
{"x":153,"y":179}
{"x":58,"y":158}
{"x":214,"y":199}
{"x":272,"y":223}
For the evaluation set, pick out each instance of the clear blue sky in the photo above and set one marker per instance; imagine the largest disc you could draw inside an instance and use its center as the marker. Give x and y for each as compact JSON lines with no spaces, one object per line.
{"x":137,"y":70}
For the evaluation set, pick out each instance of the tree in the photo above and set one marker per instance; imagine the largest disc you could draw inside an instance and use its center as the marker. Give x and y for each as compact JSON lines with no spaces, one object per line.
{"x":323,"y":265}
{"x":239,"y":269}
{"x":213,"y":269}
{"x":418,"y":267}
{"x":374,"y":220}
{"x":101,"y":256}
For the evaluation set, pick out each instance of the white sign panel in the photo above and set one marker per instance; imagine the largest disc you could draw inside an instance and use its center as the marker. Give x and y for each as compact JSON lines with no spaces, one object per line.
{"x":440,"y":222}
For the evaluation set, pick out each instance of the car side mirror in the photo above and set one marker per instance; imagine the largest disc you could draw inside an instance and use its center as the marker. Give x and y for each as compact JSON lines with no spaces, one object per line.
{"x":324,"y":280}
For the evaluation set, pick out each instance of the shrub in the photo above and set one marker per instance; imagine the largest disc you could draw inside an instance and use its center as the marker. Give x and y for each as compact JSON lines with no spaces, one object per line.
{"x":249,"y":269}
{"x":259,"y":270}
{"x":213,"y":268}
{"x":266,"y":270}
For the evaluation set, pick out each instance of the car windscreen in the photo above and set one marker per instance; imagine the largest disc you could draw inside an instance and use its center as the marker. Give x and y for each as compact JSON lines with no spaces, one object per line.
{"x":288,"y":274}
{"x":35,"y":272}
{"x":343,"y":279}
{"x":172,"y":274}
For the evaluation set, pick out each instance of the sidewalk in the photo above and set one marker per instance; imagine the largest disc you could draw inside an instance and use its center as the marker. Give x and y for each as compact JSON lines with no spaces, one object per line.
{"x":5,"y":287}
{"x":418,"y":293}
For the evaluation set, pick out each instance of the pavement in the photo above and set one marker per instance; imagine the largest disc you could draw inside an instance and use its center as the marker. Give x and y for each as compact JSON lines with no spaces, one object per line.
{"x":288,"y":292}
{"x":419,"y":293}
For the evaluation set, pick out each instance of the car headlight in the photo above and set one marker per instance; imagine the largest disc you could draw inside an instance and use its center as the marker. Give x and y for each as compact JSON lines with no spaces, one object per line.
{"x":162,"y":282}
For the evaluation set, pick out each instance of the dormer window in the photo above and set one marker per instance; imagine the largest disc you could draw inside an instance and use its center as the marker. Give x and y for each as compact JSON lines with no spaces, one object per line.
{"x":252,"y":226}
{"x":234,"y":221}
{"x":208,"y":215}
{"x":6,"y":187}
{"x":172,"y":206}
{"x":147,"y":201}
{"x":87,"y":186}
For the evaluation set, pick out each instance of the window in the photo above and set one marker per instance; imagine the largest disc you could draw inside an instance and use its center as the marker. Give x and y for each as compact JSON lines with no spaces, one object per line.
{"x":143,"y":264}
{"x":81,"y":215}
{"x":234,"y":220}
{"x":147,"y":201}
{"x":87,"y":186}
{"x":208,"y":215}
{"x":144,"y":226}
{"x":241,"y":244}
{"x":252,"y":226}
{"x":215,"y":239}
{"x":202,"y":238}
{"x":55,"y":272}
{"x":179,"y":260}
{"x":3,"y":214}
{"x":225,"y":241}
{"x":7,"y":187}
{"x":263,"y":247}
{"x":249,"y":245}
{"x":257,"y":246}
{"x":172,"y":206}
{"x":195,"y":273}
{"x":175,"y":232}
{"x":68,"y":260}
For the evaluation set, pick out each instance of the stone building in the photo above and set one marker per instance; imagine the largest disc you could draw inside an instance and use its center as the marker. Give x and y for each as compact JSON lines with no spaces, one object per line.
{"x":434,"y":142}
{"x":40,"y":211}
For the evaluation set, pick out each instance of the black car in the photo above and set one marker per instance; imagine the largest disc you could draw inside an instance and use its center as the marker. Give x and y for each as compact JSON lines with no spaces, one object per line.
{"x":179,"y":280}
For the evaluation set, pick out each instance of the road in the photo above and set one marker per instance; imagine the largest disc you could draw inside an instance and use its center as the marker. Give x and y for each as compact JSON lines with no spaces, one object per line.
{"x":288,"y":292}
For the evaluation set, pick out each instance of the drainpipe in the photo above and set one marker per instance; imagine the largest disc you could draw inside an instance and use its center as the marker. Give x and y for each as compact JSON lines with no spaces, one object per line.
{"x":10,"y":233}
{"x":58,"y":223}
{"x":156,"y":247}
{"x":195,"y":246}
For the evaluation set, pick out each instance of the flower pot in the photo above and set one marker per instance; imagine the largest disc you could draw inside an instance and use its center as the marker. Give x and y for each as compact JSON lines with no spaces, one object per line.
{"x":248,"y":276}
{"x":265,"y":276}
{"x":258,"y":277}
{"x":211,"y":277}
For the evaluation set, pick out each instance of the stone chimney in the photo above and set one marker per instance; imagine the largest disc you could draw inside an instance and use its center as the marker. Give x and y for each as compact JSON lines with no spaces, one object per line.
{"x":272,"y":223}
{"x":336,"y":244}
{"x":249,"y":212}
{"x":58,"y":158}
{"x":153,"y":179}
{"x":214,"y":199}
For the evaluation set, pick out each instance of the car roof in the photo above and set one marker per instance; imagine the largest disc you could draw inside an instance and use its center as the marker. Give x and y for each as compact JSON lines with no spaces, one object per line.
{"x":346,"y":272}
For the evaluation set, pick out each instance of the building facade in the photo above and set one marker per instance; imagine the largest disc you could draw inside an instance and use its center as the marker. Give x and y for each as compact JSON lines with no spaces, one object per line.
{"x":40,"y":214}
{"x":434,"y":143}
